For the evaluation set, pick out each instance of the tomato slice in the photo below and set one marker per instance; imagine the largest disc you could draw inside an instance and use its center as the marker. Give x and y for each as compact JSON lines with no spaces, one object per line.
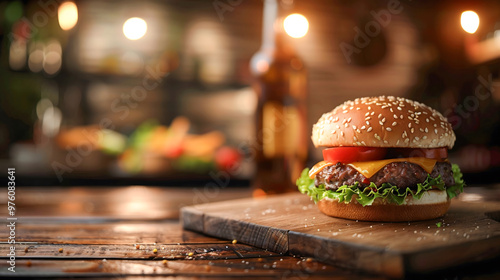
{"x":434,"y":153}
{"x":353,"y":154}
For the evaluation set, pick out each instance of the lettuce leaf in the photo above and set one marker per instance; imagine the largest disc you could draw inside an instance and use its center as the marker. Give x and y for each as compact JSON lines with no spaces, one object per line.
{"x":388,"y":192}
{"x":459,"y":182}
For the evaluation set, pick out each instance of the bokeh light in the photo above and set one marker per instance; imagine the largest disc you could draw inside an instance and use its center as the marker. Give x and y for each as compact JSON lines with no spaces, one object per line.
{"x":296,"y":25}
{"x":13,"y":11}
{"x":67,"y":15}
{"x":135,"y":28}
{"x":469,"y":21}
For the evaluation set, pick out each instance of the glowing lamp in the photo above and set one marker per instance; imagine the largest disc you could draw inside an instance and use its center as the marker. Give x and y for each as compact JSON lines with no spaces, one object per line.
{"x":135,"y":28}
{"x":67,"y":15}
{"x":296,"y":25}
{"x":469,"y":21}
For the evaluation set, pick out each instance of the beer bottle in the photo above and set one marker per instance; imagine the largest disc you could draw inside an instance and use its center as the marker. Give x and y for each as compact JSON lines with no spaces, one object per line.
{"x":280,"y":84}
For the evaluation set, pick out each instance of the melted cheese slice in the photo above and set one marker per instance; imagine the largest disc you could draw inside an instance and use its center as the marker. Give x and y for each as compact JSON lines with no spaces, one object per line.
{"x":318,"y":167}
{"x":369,"y":168}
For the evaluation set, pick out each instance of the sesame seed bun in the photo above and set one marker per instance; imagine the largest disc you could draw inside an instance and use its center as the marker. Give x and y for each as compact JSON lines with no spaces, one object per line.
{"x":431,"y":205}
{"x":384,"y":121}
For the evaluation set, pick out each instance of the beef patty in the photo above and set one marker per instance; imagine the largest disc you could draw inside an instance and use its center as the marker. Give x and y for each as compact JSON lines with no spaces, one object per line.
{"x":400,"y":174}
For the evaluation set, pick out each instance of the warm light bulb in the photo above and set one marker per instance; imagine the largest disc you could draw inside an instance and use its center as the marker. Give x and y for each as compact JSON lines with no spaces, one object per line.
{"x":134,"y":28}
{"x":296,"y":25}
{"x":67,"y":15}
{"x":469,"y":21}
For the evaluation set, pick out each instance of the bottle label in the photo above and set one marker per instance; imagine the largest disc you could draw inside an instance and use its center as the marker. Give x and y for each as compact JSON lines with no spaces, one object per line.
{"x":281,"y":128}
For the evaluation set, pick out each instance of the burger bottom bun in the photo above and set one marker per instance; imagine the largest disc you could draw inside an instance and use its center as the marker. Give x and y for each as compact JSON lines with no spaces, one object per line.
{"x":431,"y":205}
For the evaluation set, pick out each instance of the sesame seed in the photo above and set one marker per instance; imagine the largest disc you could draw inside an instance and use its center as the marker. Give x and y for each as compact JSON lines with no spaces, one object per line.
{"x":367,"y":113}
{"x":425,"y":137}
{"x":345,"y":111}
{"x":383,"y":120}
{"x":369,"y":129}
{"x":395,"y":116}
{"x":372,"y":113}
{"x":353,"y":127}
{"x":355,"y":138}
{"x":338,"y":126}
{"x":363,"y":127}
{"x":397,"y":142}
{"x":407,"y":140}
{"x":386,"y":142}
{"x":333,"y":131}
{"x":392,"y":111}
{"x":409,"y":125}
{"x":399,"y":108}
{"x":367,"y":123}
{"x":426,"y":130}
{"x":412,"y":130}
{"x":394,"y":123}
{"x":358,"y":131}
{"x":346,"y":125}
{"x":369,"y":107}
{"x":377,"y":137}
{"x":357,"y":108}
{"x":435,"y":131}
{"x":389,"y":129}
{"x":349,"y":119}
{"x":427,"y":119}
{"x":368,"y":118}
{"x":379,"y":116}
{"x":417,"y":138}
{"x":342,"y":133}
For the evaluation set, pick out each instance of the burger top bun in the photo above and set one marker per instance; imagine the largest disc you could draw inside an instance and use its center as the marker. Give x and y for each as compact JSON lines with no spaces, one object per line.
{"x":384,"y":121}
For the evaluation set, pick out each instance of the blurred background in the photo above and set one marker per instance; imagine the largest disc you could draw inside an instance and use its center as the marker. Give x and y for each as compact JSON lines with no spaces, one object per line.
{"x":160,"y":92}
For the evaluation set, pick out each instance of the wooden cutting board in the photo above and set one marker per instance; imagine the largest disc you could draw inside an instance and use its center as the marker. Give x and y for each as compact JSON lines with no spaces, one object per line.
{"x":292,"y":224}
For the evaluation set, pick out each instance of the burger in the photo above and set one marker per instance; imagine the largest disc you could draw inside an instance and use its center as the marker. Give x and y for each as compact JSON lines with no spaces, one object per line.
{"x":385,"y":159}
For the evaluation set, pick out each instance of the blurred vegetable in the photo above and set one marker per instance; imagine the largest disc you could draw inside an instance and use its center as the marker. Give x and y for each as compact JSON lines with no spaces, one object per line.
{"x":153,"y":148}
{"x":112,"y":142}
{"x":227,"y":158}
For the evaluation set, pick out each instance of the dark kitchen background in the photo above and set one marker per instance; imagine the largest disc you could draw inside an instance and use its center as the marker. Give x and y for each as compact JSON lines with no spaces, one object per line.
{"x":159,"y":92}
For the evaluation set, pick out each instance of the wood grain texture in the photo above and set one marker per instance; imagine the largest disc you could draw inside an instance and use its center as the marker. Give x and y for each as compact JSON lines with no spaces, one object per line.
{"x":464,"y":235}
{"x":136,"y":251}
{"x":125,"y":232}
{"x":272,"y":267}
{"x":112,"y":203}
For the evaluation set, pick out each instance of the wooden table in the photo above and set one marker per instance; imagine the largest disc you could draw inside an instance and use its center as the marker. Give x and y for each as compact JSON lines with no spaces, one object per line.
{"x":133,"y":233}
